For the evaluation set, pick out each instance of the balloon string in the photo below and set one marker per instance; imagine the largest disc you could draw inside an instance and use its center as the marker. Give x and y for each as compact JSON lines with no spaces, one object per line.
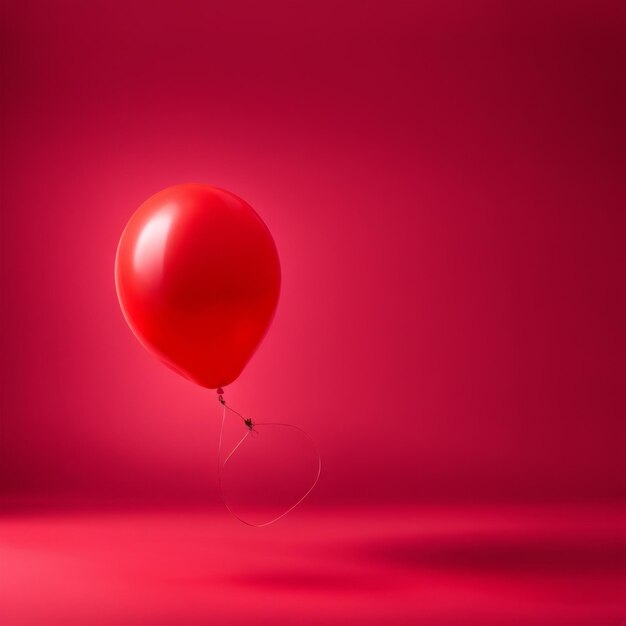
{"x":220,"y":466}
{"x":248,"y":422}
{"x":220,"y":443}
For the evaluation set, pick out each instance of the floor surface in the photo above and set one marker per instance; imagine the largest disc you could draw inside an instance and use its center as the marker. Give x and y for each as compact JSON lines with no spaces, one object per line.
{"x":440,"y":566}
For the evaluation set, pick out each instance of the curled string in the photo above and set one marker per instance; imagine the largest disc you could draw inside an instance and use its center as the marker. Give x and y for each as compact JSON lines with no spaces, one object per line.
{"x":221,"y":465}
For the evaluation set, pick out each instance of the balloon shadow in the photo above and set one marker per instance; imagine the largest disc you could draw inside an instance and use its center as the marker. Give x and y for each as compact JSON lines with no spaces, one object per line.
{"x":321,"y":581}
{"x":546,"y":554}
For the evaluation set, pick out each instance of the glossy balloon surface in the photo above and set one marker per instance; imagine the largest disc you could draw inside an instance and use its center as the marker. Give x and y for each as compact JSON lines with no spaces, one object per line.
{"x":198,"y":279}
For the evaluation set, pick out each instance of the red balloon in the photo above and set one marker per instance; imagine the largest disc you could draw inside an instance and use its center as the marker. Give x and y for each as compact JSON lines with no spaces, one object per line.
{"x":198,"y":277}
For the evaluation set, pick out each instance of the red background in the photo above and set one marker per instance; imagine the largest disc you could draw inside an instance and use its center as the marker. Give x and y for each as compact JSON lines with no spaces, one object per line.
{"x":446,"y":190}
{"x":445,"y":185}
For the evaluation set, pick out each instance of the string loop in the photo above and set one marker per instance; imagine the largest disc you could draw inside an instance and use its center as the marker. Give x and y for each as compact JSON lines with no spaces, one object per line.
{"x":252,"y":431}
